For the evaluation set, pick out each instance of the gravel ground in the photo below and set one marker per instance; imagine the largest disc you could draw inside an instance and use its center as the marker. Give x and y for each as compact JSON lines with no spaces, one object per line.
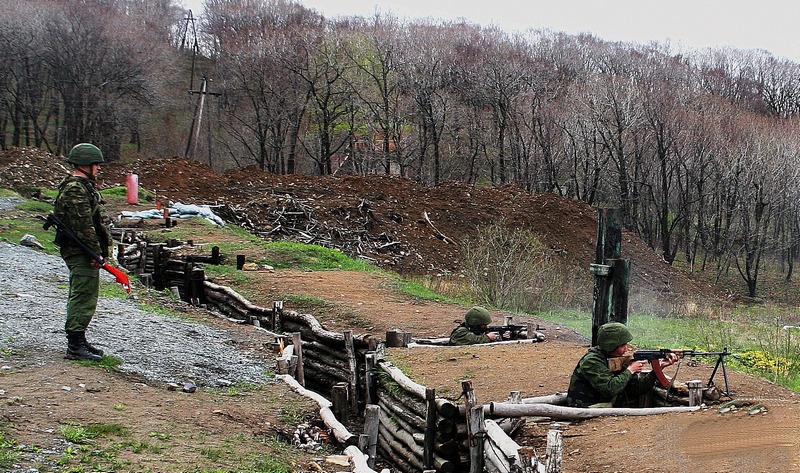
{"x":33,"y":293}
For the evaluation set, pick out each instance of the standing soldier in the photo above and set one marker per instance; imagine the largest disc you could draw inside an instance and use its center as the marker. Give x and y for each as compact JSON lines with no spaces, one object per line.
{"x":80,"y":206}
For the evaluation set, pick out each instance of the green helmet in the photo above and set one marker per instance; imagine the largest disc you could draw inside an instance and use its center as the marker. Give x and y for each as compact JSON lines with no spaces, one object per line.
{"x":85,"y":154}
{"x":612,"y":335}
{"x":477,"y":316}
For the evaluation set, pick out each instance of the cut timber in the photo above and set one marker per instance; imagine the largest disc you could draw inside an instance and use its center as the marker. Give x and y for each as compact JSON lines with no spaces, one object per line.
{"x":445,"y":407}
{"x":358,"y":459}
{"x":496,"y":409}
{"x":339,"y":431}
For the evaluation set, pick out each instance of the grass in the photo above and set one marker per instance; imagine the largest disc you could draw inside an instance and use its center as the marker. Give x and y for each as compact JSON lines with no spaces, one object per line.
{"x":101,"y":447}
{"x":284,"y":254}
{"x":8,"y":449}
{"x":108,"y":362}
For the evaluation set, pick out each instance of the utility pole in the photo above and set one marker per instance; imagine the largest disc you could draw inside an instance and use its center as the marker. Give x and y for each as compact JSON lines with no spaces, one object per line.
{"x":195,"y":47}
{"x":194,"y":132}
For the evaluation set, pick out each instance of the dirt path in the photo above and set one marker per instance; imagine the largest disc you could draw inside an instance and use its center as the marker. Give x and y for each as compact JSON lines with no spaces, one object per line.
{"x":703,"y":441}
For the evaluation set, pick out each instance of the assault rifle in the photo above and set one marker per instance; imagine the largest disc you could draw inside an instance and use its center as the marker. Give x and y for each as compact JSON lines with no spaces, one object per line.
{"x":62,"y":227}
{"x":654,"y":357}
{"x":514,"y":330}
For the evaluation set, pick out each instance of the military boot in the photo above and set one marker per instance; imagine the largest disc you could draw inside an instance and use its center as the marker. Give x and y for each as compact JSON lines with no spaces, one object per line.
{"x":90,"y":347}
{"x":76,"y":348}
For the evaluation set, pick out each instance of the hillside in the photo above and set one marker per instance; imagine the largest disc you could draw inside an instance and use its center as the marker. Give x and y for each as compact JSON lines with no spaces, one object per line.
{"x":381,"y":218}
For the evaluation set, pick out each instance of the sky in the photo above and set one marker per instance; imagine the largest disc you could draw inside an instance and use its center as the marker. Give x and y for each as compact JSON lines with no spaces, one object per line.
{"x":773,"y":25}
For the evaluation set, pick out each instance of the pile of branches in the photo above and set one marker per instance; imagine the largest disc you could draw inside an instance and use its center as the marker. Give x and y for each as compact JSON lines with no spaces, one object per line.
{"x":348,"y":229}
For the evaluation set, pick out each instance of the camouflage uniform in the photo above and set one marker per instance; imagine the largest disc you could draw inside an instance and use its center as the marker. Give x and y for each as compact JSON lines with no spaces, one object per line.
{"x":593,"y":384}
{"x":80,"y":207}
{"x":463,"y":334}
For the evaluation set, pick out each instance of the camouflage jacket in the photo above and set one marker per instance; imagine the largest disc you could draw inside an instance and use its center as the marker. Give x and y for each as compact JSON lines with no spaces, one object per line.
{"x":593,"y":382}
{"x":462,"y":335}
{"x":80,"y":206}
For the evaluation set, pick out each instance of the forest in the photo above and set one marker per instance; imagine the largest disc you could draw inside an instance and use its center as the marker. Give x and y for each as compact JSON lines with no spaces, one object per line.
{"x":699,"y":149}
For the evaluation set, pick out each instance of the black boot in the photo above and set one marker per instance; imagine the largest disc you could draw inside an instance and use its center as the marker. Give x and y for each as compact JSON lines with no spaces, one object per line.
{"x":76,"y":348}
{"x":93,"y":349}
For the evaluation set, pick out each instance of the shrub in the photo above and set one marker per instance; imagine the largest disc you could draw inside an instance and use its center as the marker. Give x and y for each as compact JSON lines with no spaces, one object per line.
{"x":512,"y":269}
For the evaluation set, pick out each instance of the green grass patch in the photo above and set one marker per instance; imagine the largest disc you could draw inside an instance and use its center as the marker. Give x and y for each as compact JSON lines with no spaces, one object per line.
{"x":8,"y":449}
{"x":228,"y":273}
{"x":27,"y":219}
{"x":284,"y":254}
{"x":421,"y":291}
{"x":8,"y":193}
{"x":121,"y":192}
{"x":108,"y":362}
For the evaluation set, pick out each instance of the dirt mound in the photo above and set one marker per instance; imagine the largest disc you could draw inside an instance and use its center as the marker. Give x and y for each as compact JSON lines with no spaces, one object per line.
{"x":394,"y":222}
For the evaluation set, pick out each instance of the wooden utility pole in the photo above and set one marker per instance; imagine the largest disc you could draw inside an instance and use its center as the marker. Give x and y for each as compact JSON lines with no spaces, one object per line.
{"x":194,"y":132}
{"x":612,"y":274}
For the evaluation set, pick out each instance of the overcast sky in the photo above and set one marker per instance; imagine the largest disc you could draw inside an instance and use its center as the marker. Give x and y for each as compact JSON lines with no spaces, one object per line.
{"x":773,"y":25}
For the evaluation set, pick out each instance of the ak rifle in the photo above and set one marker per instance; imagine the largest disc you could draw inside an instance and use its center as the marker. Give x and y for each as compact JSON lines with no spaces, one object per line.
{"x":515,"y":330}
{"x":654,"y":357}
{"x":65,"y":230}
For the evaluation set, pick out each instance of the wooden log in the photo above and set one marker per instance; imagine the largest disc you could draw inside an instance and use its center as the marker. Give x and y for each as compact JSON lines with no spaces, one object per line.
{"x":502,"y":443}
{"x":340,"y":432}
{"x":695,"y":392}
{"x":496,"y":409}
{"x":298,"y":351}
{"x":447,"y":448}
{"x":388,"y":448}
{"x":430,"y":427}
{"x":407,"y":440}
{"x":352,"y":367}
{"x":198,"y":277}
{"x":242,"y":303}
{"x":415,"y":406}
{"x":554,"y":449}
{"x":475,"y":424}
{"x":323,"y":374}
{"x":359,"y":460}
{"x":398,"y":448}
{"x":369,"y":379}
{"x":395,"y":338}
{"x":371,"y":425}
{"x":445,"y":407}
{"x":558,"y":399}
{"x":430,"y":342}
{"x":340,"y":401}
{"x":320,"y":333}
{"x":277,"y":312}
{"x":389,"y":404}
{"x":511,"y":425}
{"x":312,"y":351}
{"x":493,"y":459}
{"x":401,"y":423}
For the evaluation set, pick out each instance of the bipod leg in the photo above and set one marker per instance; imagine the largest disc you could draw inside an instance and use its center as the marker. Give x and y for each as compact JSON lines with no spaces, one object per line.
{"x":720,"y":362}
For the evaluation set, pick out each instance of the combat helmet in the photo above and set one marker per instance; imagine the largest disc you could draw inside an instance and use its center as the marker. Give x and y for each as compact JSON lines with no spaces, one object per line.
{"x":612,"y":335}
{"x":85,"y":154}
{"x":477,"y":316}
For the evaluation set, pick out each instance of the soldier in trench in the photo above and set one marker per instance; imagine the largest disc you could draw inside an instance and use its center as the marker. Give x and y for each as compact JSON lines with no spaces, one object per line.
{"x":473,"y":329}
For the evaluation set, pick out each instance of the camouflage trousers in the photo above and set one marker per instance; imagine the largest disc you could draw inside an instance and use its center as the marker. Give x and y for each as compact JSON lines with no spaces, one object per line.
{"x":84,"y":289}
